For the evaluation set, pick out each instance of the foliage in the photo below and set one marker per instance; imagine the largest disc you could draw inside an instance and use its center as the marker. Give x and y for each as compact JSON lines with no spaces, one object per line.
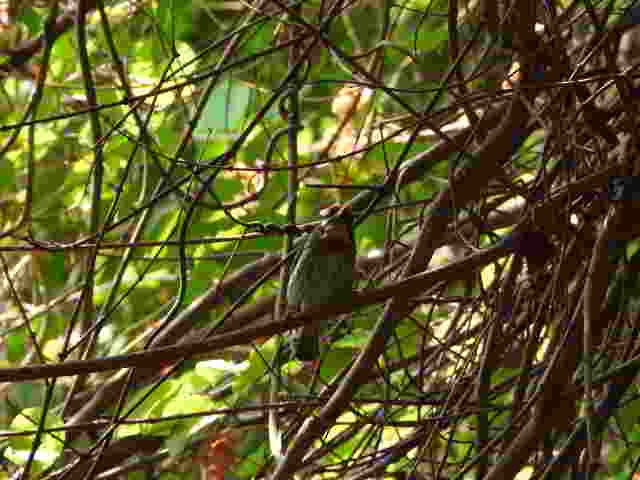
{"x":159,"y":159}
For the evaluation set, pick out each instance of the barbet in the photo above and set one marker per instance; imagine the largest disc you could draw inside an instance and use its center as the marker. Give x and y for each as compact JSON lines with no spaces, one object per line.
{"x":323,"y":274}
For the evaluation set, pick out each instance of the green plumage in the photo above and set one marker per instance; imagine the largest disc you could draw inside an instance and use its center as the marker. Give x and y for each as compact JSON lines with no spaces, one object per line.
{"x":323,"y":274}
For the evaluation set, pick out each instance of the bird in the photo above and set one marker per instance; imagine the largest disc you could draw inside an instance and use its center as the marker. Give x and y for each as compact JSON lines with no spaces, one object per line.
{"x":323,"y":274}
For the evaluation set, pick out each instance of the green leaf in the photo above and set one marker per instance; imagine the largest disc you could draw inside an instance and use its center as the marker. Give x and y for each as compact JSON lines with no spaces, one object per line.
{"x":256,"y":373}
{"x":29,"y":17}
{"x":225,"y":110}
{"x":7,"y":175}
{"x":54,"y":267}
{"x":152,"y":406}
{"x":335,"y":361}
{"x":15,"y":344}
{"x":175,"y":17}
{"x":51,"y":444}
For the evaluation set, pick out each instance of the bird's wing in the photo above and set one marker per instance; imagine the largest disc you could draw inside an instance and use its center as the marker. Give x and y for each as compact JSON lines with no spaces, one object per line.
{"x":299,"y":281}
{"x":332,"y":279}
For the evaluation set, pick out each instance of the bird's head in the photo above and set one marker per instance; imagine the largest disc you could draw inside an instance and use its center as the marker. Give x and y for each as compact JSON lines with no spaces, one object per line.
{"x":338,"y":214}
{"x":337,"y":229}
